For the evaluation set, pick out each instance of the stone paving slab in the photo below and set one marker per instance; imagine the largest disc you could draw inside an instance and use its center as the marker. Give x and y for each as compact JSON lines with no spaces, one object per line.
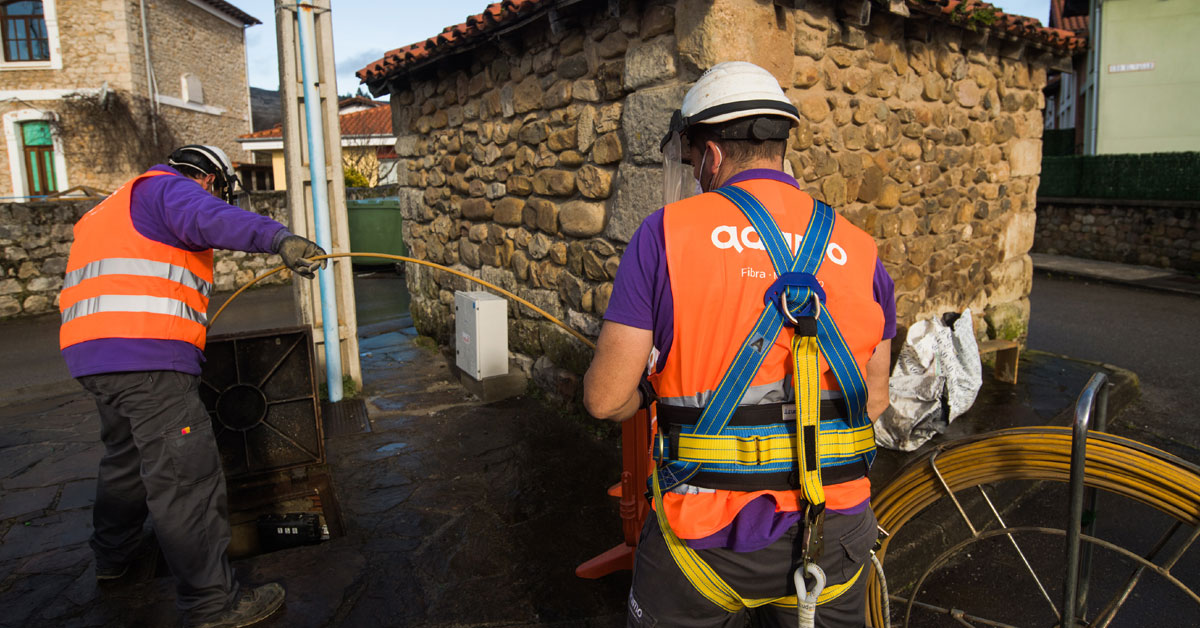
{"x":457,"y":513}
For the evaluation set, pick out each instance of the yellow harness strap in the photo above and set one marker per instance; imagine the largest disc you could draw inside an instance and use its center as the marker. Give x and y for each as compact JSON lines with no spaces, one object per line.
{"x":806,"y":385}
{"x":808,"y":416}
{"x":762,"y":450}
{"x":705,"y":580}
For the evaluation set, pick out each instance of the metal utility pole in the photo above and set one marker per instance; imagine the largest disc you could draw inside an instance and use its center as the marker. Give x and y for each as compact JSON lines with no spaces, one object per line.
{"x":316,"y":192}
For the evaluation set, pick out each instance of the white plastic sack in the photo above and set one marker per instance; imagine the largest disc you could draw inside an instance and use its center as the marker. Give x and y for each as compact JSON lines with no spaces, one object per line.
{"x":936,"y":379}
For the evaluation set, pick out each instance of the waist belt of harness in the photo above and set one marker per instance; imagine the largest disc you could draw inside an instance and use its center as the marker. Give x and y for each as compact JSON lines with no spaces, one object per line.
{"x":761,"y":414}
{"x":735,"y":460}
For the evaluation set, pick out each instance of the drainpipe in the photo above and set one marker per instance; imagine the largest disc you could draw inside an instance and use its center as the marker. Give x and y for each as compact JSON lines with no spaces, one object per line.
{"x":1093,"y":102}
{"x":150,"y":87}
{"x":320,"y":197}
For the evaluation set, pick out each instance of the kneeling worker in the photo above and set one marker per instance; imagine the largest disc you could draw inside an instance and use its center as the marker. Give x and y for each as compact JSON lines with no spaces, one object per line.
{"x":134,"y":309}
{"x":759,"y":314}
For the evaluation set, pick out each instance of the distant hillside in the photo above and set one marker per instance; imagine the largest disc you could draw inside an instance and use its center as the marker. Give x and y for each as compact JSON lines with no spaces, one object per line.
{"x":265,"y":108}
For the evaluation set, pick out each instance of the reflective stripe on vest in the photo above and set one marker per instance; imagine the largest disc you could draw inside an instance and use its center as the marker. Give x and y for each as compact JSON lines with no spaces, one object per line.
{"x":121,"y":284}
{"x":133,"y":303}
{"x":140,"y":268}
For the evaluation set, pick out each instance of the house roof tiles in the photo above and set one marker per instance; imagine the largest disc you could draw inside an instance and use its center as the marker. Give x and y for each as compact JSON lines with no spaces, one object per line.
{"x":499,"y":15}
{"x":368,"y":122}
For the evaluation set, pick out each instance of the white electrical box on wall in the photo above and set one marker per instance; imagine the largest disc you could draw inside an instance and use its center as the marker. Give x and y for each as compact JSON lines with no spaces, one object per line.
{"x":481,"y":334}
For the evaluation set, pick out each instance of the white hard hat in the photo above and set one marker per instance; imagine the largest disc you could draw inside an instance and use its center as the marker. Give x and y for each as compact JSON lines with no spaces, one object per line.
{"x":735,"y":89}
{"x":729,"y":91}
{"x":202,"y":159}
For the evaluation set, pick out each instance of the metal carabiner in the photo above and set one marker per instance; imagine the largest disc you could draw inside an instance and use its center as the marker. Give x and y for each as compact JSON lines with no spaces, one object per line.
{"x":783,"y":305}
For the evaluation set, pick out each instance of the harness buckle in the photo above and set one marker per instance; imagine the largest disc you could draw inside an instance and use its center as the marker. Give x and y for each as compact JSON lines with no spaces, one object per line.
{"x":814,"y":533}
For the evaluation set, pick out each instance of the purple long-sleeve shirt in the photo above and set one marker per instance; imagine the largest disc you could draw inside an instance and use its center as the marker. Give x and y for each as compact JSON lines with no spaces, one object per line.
{"x":178,"y":212}
{"x":642,"y":298}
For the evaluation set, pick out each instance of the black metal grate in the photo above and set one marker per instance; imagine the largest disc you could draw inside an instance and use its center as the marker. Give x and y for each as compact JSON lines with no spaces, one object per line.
{"x":348,"y":416}
{"x":259,"y":387}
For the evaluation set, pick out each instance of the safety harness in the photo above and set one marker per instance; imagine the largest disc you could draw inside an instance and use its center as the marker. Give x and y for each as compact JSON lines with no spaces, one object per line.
{"x":832,"y":442}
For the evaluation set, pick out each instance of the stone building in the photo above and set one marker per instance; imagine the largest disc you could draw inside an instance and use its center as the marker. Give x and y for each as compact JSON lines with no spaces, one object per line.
{"x":528,"y":143}
{"x":92,"y":92}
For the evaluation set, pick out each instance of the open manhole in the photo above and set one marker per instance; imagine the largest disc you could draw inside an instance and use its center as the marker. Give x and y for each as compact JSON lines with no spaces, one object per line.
{"x":259,"y":388}
{"x":260,"y":391}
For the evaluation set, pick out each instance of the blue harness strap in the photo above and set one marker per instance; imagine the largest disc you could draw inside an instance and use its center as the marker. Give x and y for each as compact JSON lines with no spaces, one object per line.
{"x":796,"y":298}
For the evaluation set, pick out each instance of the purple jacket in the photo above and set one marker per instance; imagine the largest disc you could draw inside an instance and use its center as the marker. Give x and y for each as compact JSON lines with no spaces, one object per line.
{"x":175,"y":211}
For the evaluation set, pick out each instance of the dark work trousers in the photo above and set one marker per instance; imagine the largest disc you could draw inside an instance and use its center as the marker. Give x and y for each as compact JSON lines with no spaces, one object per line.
{"x":160,"y":458}
{"x":662,"y":597}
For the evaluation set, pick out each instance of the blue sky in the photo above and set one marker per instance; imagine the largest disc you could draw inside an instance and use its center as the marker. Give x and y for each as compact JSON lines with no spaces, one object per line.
{"x":363,"y":30}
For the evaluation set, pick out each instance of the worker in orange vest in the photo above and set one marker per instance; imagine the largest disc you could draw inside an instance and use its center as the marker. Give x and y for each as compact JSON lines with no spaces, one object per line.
{"x":134,"y":314}
{"x":761,"y":322}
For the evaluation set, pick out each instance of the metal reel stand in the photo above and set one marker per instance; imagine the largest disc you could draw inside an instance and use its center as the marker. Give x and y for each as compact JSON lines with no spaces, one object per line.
{"x":1087,"y":463}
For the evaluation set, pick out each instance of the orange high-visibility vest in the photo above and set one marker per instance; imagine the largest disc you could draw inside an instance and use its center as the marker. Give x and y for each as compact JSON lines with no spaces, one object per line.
{"x":719,"y":272}
{"x":121,"y":284}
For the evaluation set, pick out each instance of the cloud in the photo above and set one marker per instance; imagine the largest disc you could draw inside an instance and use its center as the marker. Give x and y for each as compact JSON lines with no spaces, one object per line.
{"x":359,"y":61}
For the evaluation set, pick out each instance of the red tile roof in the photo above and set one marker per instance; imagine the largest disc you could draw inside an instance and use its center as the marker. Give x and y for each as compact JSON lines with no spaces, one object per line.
{"x":1026,"y":28}
{"x":493,"y":16}
{"x":505,"y":13}
{"x":374,"y":121}
{"x":1075,"y":23}
{"x":362,"y":101}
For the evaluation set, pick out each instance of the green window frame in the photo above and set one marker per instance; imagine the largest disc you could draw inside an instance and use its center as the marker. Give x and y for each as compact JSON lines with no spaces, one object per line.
{"x":38,"y":148}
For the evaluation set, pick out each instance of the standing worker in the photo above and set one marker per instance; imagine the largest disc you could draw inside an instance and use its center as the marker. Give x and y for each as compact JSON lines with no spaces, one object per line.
{"x":754,"y":308}
{"x":134,"y":310}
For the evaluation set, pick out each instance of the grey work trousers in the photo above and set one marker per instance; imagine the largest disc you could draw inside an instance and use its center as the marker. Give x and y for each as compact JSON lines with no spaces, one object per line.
{"x":662,"y":597}
{"x":161,"y":459}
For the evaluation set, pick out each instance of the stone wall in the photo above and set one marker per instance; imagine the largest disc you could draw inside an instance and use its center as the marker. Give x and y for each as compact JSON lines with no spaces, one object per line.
{"x":532,"y":170}
{"x":35,"y":239}
{"x":1162,"y":233}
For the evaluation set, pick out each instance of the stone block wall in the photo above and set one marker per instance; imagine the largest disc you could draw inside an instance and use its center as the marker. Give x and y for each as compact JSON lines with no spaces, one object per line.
{"x":96,"y":46}
{"x":929,"y":138}
{"x":186,"y":39}
{"x":1149,"y":233}
{"x":510,"y":169}
{"x":532,"y":170}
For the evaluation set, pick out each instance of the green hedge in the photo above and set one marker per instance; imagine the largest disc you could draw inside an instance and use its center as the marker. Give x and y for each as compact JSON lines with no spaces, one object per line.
{"x":1058,"y":142}
{"x":1144,"y":177}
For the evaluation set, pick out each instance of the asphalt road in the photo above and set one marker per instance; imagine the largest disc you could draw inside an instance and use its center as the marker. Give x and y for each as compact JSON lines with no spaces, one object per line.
{"x":1154,"y":334}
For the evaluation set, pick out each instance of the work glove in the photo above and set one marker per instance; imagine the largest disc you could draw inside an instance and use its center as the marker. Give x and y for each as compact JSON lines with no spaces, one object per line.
{"x":297,"y":253}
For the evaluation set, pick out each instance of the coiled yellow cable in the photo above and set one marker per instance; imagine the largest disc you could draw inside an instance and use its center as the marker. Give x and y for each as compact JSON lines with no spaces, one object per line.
{"x":1114,"y":464}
